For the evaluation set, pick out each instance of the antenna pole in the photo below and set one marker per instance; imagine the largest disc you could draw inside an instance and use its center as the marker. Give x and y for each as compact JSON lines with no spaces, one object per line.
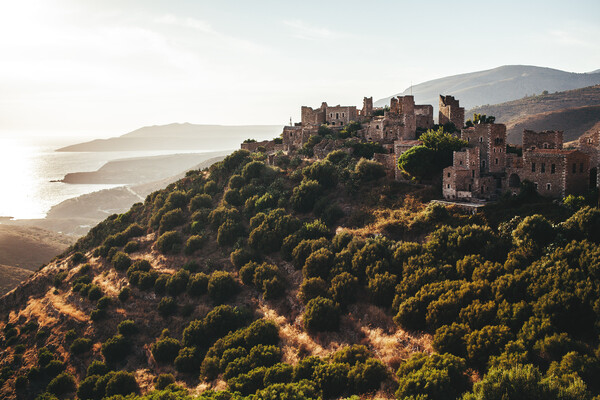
{"x":291,"y":121}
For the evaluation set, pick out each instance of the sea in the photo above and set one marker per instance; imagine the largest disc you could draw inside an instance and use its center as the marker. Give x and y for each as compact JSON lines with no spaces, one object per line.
{"x":29,"y":169}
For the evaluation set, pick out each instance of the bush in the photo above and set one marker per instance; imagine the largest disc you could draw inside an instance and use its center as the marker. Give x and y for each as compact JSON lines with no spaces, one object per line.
{"x":121,"y":261}
{"x":177,"y":283}
{"x":488,"y":341}
{"x":103,"y":303}
{"x":323,"y":172}
{"x":80,"y":345}
{"x":131,"y":247}
{"x":188,"y":360}
{"x":451,"y":339}
{"x":94,"y":293}
{"x":163,"y":381}
{"x":127,"y":328}
{"x":194,"y":243}
{"x":438,"y":376}
{"x":198,"y":284}
{"x":165,"y":350}
{"x":122,"y":383}
{"x":253,"y":170}
{"x":321,"y":314}
{"x":62,"y":384}
{"x":318,"y":264}
{"x":167,"y":306}
{"x":229,"y":232}
{"x":305,"y":195}
{"x":97,"y":368}
{"x":534,"y":231}
{"x":222,"y":286}
{"x":21,"y":383}
{"x":115,"y":349}
{"x":382,"y":288}
{"x":169,"y":242}
{"x":200,"y":201}
{"x":332,"y":378}
{"x":368,"y":170}
{"x":312,"y":288}
{"x":240,"y":257}
{"x":368,"y":376}
{"x":124,"y":294}
{"x":344,"y":288}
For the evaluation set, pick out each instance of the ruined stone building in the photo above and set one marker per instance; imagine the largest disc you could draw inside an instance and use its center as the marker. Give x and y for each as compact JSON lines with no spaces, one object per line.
{"x":484,"y":169}
{"x":589,"y":144}
{"x":450,"y":111}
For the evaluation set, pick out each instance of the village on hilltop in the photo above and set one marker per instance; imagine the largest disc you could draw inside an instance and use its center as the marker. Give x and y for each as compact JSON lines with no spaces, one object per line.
{"x":483,"y":170}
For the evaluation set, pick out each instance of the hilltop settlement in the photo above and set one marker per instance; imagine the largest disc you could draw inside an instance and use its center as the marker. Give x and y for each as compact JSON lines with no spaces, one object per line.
{"x":484,"y":169}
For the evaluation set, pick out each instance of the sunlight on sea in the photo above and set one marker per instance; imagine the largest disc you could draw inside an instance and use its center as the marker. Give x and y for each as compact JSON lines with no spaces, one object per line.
{"x":27,"y":169}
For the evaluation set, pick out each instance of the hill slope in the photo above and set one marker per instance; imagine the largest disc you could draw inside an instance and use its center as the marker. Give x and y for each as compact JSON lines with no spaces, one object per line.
{"x":573,"y":111}
{"x":498,"y":85}
{"x":180,"y":136}
{"x":226,"y":280}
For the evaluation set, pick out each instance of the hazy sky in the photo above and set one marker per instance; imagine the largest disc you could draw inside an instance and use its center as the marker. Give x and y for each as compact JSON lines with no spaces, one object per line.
{"x":106,"y":67}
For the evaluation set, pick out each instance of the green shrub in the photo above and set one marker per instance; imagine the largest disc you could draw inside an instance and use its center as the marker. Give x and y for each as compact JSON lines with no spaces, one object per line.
{"x":332,"y":378}
{"x":312,"y":288}
{"x":321,"y":314}
{"x":352,"y":355}
{"x":115,"y":349}
{"x":198,"y":284}
{"x":177,"y":283}
{"x":127,"y":328}
{"x":131,"y":247}
{"x":318,"y":264}
{"x":169,"y":242}
{"x":324,"y":172}
{"x":94,"y":293}
{"x":221,"y":286}
{"x":253,"y":170}
{"x":124,"y":294}
{"x":210,"y":368}
{"x":80,"y":345}
{"x":438,"y":376}
{"x":167,"y":306}
{"x":62,"y":384}
{"x":382,"y":288}
{"x":165,"y":350}
{"x":486,"y":342}
{"x":368,"y":170}
{"x":121,"y":261}
{"x":368,"y":376}
{"x":305,"y":195}
{"x":228,"y":232}
{"x":194,"y":243}
{"x":240,"y":257}
{"x":97,"y":368}
{"x":344,"y":288}
{"x":122,"y":383}
{"x":278,"y":373}
{"x":188,"y":360}
{"x":451,"y":339}
{"x":305,"y":369}
{"x":200,"y":201}
{"x":163,"y":381}
{"x":21,"y":383}
{"x":103,"y":303}
{"x":233,"y":197}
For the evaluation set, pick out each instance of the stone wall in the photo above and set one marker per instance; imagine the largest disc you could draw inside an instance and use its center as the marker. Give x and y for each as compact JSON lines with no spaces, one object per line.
{"x":450,"y":111}
{"x":491,"y":141}
{"x":340,"y":115}
{"x":266,"y":145}
{"x":542,"y":140}
{"x":424,"y":116}
{"x":310,"y":116}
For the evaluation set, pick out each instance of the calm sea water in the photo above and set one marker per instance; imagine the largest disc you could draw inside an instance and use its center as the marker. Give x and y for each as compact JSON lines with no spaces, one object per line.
{"x":27,"y":168}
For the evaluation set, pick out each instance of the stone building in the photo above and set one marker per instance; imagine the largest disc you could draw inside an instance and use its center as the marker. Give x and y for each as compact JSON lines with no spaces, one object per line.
{"x":484,"y":169}
{"x":450,"y":111}
{"x":589,"y":144}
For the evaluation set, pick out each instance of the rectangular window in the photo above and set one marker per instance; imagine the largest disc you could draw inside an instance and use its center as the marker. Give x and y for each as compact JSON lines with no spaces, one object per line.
{"x":581,"y":167}
{"x":553,"y":169}
{"x":448,"y":174}
{"x":496,"y":161}
{"x":548,"y":186}
{"x":473,"y":173}
{"x":448,"y":186}
{"x":574,"y":168}
{"x":532,"y":167}
{"x":543,"y":167}
{"x":535,"y":185}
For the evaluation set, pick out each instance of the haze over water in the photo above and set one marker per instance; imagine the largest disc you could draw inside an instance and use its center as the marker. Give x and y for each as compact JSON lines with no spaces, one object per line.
{"x":27,"y":169}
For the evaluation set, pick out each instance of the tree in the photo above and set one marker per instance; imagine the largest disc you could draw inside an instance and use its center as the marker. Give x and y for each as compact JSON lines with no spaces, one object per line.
{"x":321,"y":315}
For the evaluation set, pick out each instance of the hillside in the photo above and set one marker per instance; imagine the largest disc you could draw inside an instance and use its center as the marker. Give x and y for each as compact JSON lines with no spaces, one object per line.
{"x":180,"y":137}
{"x":10,"y":277}
{"x":573,"y":111}
{"x":498,"y":85}
{"x":311,"y":279}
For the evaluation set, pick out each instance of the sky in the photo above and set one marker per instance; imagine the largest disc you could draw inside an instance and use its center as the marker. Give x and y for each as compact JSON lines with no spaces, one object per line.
{"x":106,"y":67}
